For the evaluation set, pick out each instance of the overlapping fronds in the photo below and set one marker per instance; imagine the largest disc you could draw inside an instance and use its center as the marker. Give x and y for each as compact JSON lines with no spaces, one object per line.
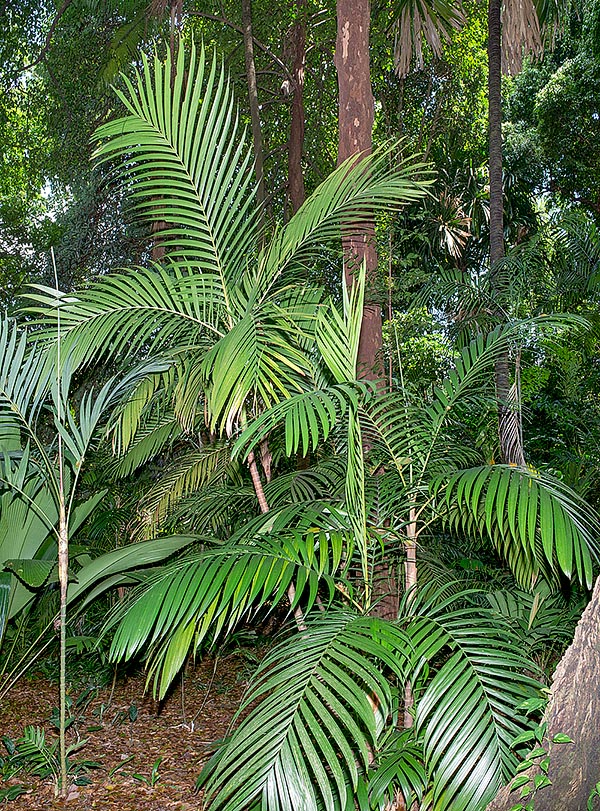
{"x":466,"y":714}
{"x":532,"y":519}
{"x":188,"y":472}
{"x":432,"y":21}
{"x":208,"y":594}
{"x":415,"y":435}
{"x":308,"y":418}
{"x":24,"y":381}
{"x":140,"y":310}
{"x":304,"y":745}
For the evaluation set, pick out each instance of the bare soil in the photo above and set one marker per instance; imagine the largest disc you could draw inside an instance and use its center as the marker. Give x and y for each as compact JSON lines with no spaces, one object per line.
{"x":127,"y":732}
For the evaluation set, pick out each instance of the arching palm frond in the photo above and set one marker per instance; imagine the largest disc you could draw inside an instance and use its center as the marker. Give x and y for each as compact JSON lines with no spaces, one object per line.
{"x":141,"y":310}
{"x":216,"y":510}
{"x":466,"y":714}
{"x":24,"y":382}
{"x":323,"y":480}
{"x":305,"y":743}
{"x":533,"y":520}
{"x":255,"y":360}
{"x":320,"y":738}
{"x":188,"y":472}
{"x":416,"y":436}
{"x":201,"y":187}
{"x":308,"y":418}
{"x":209,"y":594}
{"x":354,"y":192}
{"x":156,"y":436}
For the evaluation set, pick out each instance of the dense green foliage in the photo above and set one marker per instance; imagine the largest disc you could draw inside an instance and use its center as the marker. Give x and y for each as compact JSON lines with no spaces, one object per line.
{"x":238,"y":463}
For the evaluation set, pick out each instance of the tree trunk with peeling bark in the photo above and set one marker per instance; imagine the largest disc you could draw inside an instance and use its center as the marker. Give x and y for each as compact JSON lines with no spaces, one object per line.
{"x":573,"y":710}
{"x":509,"y":424}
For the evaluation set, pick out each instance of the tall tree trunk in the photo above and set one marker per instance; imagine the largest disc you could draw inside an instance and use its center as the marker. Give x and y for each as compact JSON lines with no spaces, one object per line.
{"x":356,"y":114}
{"x":509,"y":429}
{"x":253,"y":99}
{"x":574,"y":710}
{"x":296,"y":143}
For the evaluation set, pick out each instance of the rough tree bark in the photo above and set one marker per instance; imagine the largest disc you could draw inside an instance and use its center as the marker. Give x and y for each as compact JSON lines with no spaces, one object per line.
{"x":509,"y":431}
{"x":356,"y":114}
{"x":574,"y":710}
{"x":296,"y":142}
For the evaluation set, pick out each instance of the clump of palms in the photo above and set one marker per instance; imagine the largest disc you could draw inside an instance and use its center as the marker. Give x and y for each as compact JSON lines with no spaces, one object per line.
{"x":257,"y":359}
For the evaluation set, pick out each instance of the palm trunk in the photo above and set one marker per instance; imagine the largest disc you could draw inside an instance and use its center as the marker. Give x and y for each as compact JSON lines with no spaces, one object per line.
{"x":509,"y":430}
{"x":410,"y":583}
{"x":264,"y":508}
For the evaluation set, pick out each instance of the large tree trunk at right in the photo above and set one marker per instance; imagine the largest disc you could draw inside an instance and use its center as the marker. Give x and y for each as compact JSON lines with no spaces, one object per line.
{"x":509,"y":427}
{"x":574,"y":710}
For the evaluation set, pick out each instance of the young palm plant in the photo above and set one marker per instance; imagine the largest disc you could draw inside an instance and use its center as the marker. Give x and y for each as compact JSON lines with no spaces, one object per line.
{"x":44,"y":440}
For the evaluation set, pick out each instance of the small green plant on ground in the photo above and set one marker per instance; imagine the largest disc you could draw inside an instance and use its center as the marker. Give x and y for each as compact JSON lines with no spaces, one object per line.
{"x":154,"y":776}
{"x":33,"y":755}
{"x":532,"y":772}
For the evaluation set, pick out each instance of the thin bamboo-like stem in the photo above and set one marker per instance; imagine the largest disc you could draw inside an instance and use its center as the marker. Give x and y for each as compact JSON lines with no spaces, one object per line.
{"x":63,"y":558}
{"x":264,"y":508}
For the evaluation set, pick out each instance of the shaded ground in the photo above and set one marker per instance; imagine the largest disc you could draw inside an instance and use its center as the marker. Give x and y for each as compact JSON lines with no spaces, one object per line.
{"x":127,"y":732}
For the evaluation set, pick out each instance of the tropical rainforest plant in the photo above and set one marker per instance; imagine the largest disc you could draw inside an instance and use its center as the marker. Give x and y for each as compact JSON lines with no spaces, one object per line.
{"x":44,"y":440}
{"x":253,"y":353}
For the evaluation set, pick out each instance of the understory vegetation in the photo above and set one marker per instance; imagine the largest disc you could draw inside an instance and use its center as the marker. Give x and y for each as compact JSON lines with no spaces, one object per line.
{"x":331,"y":417}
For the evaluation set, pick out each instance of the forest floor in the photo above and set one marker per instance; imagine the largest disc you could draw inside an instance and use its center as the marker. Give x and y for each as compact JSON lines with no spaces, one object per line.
{"x":149,"y":753}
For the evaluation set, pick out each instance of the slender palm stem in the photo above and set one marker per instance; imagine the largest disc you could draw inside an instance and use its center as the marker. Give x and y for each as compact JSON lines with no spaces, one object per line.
{"x":264,"y":508}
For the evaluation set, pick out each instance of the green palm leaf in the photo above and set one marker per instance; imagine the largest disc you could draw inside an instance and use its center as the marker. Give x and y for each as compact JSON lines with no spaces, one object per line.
{"x":533,"y":520}
{"x":125,"y":313}
{"x":304,"y":745}
{"x":201,"y":187}
{"x":209,"y":594}
{"x":24,"y":379}
{"x":466,"y":714}
{"x":187,"y":472}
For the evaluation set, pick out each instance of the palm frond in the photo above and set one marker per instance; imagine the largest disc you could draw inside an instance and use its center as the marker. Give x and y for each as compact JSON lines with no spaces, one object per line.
{"x":209,"y":594}
{"x":467,"y":713}
{"x":429,"y":20}
{"x":354,"y":192}
{"x":532,"y":519}
{"x":184,"y":162}
{"x":188,"y":472}
{"x":144,"y":309}
{"x":307,"y":417}
{"x":304,"y":745}
{"x":24,"y":381}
